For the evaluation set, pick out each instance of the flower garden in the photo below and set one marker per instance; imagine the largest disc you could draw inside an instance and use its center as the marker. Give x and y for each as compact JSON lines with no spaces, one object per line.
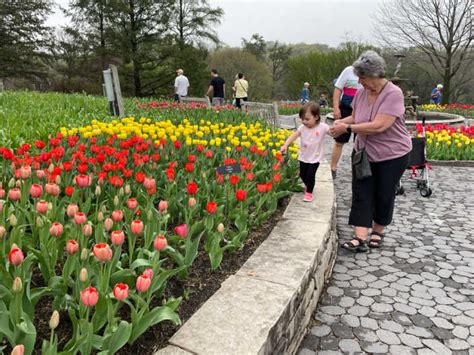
{"x":97,"y":218}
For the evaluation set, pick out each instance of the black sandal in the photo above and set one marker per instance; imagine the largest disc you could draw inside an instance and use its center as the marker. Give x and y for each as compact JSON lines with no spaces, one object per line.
{"x":376,"y":243}
{"x":359,"y":248}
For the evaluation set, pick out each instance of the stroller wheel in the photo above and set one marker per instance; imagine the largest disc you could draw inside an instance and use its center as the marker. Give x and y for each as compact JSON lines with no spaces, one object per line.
{"x":399,"y":190}
{"x":426,"y":192}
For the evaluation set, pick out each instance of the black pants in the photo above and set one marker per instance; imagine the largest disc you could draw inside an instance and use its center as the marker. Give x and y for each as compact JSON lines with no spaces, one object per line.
{"x":308,"y":175}
{"x":346,"y":111}
{"x":238,"y":101}
{"x":373,"y":199}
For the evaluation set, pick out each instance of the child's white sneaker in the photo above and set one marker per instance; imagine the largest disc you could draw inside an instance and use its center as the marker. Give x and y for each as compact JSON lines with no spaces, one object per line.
{"x":308,"y":197}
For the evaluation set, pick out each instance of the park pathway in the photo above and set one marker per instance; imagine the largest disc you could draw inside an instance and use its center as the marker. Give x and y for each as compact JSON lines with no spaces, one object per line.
{"x":416,"y":294}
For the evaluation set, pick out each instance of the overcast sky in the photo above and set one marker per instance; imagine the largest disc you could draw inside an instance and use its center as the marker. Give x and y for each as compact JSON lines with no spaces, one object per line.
{"x":311,"y":21}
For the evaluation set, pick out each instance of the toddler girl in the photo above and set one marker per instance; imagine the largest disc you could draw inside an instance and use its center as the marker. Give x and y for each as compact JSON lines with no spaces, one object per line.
{"x":311,"y":151}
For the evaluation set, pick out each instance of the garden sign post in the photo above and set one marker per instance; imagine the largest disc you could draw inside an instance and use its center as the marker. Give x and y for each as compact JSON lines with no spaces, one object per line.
{"x":113,"y":92}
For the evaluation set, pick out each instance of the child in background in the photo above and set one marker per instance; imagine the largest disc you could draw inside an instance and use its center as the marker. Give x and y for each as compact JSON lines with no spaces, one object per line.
{"x":311,"y":152}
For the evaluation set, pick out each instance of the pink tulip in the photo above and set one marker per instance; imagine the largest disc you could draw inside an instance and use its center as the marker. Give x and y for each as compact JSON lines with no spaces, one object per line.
{"x":108,"y":224}
{"x":40,"y":174}
{"x":15,"y":256}
{"x":14,"y":194}
{"x":36,"y":190}
{"x":148,"y":273}
{"x":2,"y":231}
{"x":89,"y":296}
{"x":80,"y":218}
{"x":120,"y":291}
{"x":181,"y":230}
{"x":18,"y":350}
{"x":25,"y":171}
{"x":163,"y":206}
{"x":83,"y":180}
{"x":191,"y":202}
{"x":52,"y":189}
{"x":102,"y":252}
{"x":2,"y":193}
{"x":132,"y":203}
{"x":72,"y":247}
{"x":136,"y":227}
{"x":143,"y":283}
{"x":42,"y":207}
{"x":160,"y":243}
{"x":117,"y":215}
{"x":117,"y":237}
{"x":56,"y":229}
{"x":87,"y":230}
{"x":149,"y":183}
{"x":71,"y":210}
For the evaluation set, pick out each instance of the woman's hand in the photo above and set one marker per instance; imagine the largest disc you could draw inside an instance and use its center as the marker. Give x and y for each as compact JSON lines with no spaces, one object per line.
{"x":283,"y":148}
{"x":338,"y":128}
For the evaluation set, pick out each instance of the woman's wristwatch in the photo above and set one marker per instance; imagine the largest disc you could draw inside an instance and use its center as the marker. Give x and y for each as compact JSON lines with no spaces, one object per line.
{"x":349,"y":128}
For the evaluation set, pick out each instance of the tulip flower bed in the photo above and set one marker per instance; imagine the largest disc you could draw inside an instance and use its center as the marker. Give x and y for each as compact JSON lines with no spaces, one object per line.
{"x":95,"y":221}
{"x":166,"y":105}
{"x":464,"y":110}
{"x":294,"y":109}
{"x":448,"y":143}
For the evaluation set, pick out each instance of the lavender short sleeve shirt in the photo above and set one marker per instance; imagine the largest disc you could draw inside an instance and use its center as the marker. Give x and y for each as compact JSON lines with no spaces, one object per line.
{"x":395,"y":141}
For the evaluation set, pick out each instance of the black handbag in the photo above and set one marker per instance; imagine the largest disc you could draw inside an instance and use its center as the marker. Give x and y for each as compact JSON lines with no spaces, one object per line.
{"x":360,"y":159}
{"x":361,"y":165}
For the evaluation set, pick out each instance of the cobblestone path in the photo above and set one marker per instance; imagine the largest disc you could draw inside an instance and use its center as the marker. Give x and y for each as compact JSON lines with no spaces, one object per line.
{"x":416,"y":294}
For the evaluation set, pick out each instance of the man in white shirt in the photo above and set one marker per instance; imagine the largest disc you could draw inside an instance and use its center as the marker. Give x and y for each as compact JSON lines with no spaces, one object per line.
{"x":181,"y":85}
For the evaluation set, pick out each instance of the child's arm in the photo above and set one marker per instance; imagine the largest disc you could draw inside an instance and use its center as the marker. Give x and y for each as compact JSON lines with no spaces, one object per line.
{"x":289,"y":140}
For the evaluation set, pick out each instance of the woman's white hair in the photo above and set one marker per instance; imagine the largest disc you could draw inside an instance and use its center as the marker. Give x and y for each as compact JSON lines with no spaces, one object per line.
{"x":370,"y":64}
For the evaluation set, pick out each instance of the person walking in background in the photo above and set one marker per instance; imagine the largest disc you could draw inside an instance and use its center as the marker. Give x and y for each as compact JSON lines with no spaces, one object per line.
{"x":311,"y":152}
{"x":240,"y":88}
{"x":436,"y":95}
{"x":217,"y":86}
{"x":304,"y":96}
{"x":345,"y":89}
{"x":181,"y":85}
{"x":378,"y":118}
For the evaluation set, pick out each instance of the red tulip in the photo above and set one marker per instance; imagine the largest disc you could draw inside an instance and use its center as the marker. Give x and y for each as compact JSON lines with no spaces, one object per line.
{"x":136,"y":227}
{"x":160,"y":243}
{"x":181,"y":230}
{"x":83,"y":180}
{"x":192,"y":188}
{"x":56,"y":229}
{"x":89,"y":296}
{"x":234,"y":179}
{"x":72,"y":247}
{"x":250,"y":176}
{"x":191,"y":158}
{"x":71,"y":210}
{"x":36,"y":190}
{"x":52,"y":189}
{"x":163,"y":206}
{"x":14,"y":194}
{"x":102,"y":252}
{"x":15,"y":256}
{"x":80,"y":217}
{"x":209,"y":154}
{"x":149,"y":183}
{"x":276,"y":177}
{"x":87,"y":230}
{"x":69,"y":190}
{"x":120,"y":291}
{"x":117,"y":215}
{"x":143,"y":283}
{"x":211,"y":207}
{"x":132,"y":203}
{"x":42,"y":207}
{"x":117,"y":237}
{"x":241,"y":195}
{"x":18,"y":350}
{"x":261,"y":188}
{"x":189,"y":167}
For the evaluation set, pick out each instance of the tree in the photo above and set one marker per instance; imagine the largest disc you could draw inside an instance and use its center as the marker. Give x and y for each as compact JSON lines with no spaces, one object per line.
{"x":23,"y":36}
{"x":192,"y":20}
{"x":441,"y":29}
{"x":230,"y":61}
{"x":278,"y":57}
{"x":255,"y":45}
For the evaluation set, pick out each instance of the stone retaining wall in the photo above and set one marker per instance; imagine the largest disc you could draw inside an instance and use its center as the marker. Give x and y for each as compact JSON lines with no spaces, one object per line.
{"x":267,"y":305}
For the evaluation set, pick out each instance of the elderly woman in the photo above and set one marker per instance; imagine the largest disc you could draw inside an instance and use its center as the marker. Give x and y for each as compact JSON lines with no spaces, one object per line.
{"x":378,"y":120}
